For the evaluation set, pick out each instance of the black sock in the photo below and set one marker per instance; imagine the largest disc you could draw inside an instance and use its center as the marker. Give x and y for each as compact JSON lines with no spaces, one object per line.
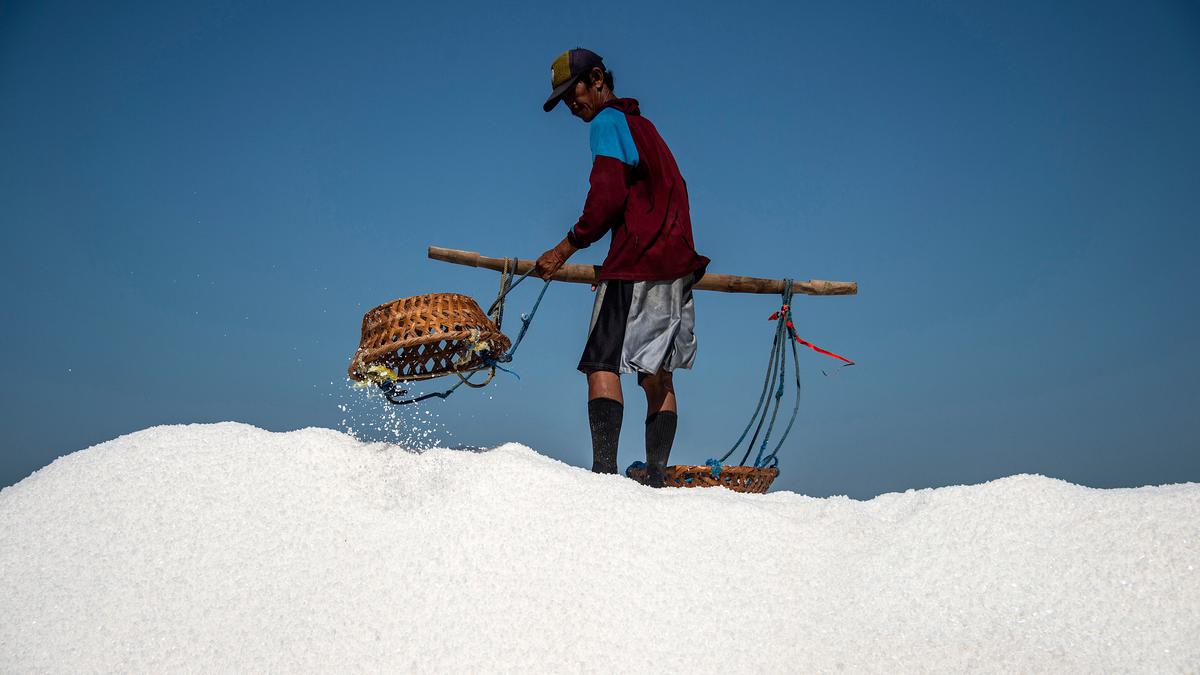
{"x":660,"y":436}
{"x":604,"y":416}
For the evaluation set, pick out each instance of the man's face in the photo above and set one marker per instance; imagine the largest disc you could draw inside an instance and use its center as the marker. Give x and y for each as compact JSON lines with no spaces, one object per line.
{"x":582,"y":101}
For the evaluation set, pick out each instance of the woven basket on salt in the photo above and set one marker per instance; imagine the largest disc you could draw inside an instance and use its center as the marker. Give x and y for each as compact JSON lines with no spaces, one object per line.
{"x":426,"y":336}
{"x":736,"y":478}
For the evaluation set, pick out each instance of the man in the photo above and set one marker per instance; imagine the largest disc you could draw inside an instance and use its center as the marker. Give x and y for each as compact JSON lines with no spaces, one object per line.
{"x":643,"y":317}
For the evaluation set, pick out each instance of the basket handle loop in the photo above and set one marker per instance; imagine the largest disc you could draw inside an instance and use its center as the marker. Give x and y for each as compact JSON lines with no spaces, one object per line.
{"x":466,"y":379}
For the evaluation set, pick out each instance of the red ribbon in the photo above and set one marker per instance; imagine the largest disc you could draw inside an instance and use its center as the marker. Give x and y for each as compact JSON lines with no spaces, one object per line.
{"x":806,"y":343}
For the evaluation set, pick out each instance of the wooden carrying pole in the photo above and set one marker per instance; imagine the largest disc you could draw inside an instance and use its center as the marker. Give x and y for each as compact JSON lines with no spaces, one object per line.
{"x":586,"y":274}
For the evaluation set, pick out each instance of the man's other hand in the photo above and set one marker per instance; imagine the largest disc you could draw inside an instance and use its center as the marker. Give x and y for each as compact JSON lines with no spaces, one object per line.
{"x":551,"y":261}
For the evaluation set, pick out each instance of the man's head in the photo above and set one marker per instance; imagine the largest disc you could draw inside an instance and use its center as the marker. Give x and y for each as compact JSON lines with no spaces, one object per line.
{"x":578,"y":78}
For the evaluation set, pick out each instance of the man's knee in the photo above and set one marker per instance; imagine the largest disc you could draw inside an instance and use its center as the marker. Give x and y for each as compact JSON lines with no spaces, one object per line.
{"x":658,"y":382}
{"x":604,"y":384}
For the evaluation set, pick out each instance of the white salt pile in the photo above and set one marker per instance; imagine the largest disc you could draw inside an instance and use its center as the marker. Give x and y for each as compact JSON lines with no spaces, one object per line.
{"x":228,"y":548}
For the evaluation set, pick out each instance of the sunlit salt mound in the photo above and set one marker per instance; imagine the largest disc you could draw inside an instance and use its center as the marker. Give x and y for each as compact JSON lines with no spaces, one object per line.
{"x":227,"y":548}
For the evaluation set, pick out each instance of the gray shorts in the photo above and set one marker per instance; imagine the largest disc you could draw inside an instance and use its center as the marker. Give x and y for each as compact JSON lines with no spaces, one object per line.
{"x":642,"y":326}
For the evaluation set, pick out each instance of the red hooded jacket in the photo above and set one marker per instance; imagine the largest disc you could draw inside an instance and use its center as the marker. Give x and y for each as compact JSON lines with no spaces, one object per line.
{"x":644,"y":205}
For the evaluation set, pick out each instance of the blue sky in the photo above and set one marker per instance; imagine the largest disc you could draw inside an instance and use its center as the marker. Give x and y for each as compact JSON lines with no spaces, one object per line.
{"x":200,"y":200}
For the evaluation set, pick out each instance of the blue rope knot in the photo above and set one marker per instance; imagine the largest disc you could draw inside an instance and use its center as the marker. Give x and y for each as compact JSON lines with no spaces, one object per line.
{"x":634,"y":467}
{"x":495,"y":363}
{"x":715,"y":466}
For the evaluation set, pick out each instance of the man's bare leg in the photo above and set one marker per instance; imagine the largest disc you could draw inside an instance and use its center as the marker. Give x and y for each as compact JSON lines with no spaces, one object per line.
{"x":661,"y":420}
{"x":660,"y":392}
{"x":604,"y":384}
{"x":606,"y":407}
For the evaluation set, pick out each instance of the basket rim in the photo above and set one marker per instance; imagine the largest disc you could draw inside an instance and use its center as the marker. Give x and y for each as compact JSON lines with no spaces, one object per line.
{"x":427,"y":295}
{"x":730,"y":477}
{"x":740,"y":468}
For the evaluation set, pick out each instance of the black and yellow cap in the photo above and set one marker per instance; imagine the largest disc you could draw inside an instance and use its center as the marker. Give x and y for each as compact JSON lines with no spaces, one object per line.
{"x":567,"y":69}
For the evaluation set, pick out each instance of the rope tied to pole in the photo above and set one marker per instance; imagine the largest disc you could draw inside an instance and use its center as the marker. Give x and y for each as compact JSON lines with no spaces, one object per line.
{"x":773,"y":387}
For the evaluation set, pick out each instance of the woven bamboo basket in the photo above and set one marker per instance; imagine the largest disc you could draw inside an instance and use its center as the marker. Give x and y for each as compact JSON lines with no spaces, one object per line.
{"x":736,"y":478}
{"x":426,"y":336}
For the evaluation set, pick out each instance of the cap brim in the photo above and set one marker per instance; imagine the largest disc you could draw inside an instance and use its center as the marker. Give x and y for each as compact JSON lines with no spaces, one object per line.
{"x":557,"y":94}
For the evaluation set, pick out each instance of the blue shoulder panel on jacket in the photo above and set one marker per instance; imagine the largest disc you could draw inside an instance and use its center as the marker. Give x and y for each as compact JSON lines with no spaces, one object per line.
{"x":610,"y":137}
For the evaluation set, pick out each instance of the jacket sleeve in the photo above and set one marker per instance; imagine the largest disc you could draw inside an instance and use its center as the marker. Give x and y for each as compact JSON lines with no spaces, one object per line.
{"x":605,"y":205}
